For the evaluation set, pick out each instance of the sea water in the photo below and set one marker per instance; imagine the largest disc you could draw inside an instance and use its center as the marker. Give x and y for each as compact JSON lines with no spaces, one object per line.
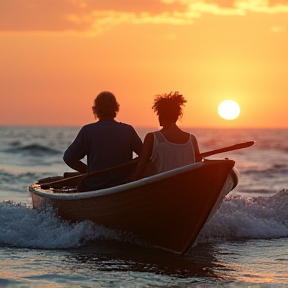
{"x":244,"y":244}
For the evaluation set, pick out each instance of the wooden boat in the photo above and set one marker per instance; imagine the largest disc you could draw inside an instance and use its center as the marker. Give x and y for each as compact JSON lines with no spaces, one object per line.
{"x":167,"y":210}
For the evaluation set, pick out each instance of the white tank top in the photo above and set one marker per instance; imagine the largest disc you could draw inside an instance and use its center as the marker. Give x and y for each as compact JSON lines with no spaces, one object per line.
{"x":166,"y":155}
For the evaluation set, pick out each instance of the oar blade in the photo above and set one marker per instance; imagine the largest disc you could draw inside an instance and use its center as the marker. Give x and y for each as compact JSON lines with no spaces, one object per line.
{"x":228,"y":148}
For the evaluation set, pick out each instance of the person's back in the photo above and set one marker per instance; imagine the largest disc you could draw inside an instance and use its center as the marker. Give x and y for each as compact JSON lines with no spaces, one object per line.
{"x":170,"y":147}
{"x":106,"y":143}
{"x":167,"y":155}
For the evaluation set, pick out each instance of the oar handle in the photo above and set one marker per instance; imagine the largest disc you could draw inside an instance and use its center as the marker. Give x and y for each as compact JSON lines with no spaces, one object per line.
{"x":76,"y":179}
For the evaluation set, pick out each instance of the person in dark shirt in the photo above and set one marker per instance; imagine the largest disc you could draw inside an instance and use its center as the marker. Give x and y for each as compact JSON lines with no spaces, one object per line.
{"x":106,"y":143}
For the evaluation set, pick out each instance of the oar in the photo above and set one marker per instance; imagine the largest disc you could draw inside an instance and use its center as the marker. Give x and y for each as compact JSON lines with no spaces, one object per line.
{"x":228,"y":148}
{"x":73,"y":181}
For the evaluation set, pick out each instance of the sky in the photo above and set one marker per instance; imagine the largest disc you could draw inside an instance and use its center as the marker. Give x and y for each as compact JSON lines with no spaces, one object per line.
{"x":57,"y":55}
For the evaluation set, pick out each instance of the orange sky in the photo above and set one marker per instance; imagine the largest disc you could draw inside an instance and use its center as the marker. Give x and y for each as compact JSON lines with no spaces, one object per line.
{"x":56,"y":55}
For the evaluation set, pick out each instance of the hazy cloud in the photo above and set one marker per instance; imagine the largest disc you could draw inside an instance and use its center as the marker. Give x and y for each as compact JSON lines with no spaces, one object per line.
{"x":278,"y":29}
{"x":95,"y":16}
{"x":263,"y":6}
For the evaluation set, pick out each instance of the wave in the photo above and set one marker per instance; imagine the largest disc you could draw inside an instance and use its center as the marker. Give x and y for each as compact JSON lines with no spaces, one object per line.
{"x":238,"y":218}
{"x":247,"y":189}
{"x":249,"y":218}
{"x":276,"y":168}
{"x":22,"y":226}
{"x":33,"y":150}
{"x":12,"y":181}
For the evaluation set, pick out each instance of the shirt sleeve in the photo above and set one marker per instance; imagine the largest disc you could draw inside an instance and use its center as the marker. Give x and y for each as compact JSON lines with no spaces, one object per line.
{"x":78,"y":149}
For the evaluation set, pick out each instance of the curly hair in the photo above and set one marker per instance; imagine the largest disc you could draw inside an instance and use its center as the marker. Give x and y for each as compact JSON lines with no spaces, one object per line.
{"x":169,"y":105}
{"x":106,"y":105}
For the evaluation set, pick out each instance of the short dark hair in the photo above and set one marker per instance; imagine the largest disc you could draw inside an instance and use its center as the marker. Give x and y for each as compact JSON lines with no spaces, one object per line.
{"x":169,"y":105}
{"x":106,"y":105}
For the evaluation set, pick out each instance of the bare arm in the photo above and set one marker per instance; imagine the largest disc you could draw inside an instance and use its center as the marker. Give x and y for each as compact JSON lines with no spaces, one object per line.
{"x":144,"y":157}
{"x":198,"y":156}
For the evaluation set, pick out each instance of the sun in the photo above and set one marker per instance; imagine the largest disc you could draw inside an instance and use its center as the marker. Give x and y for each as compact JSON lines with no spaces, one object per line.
{"x":229,"y":109}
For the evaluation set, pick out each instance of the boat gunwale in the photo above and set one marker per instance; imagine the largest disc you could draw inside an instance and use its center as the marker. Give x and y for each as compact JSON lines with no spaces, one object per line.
{"x":48,"y":193}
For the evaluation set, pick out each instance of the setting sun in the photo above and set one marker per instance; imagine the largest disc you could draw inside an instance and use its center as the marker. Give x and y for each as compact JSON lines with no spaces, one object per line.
{"x":228,"y":109}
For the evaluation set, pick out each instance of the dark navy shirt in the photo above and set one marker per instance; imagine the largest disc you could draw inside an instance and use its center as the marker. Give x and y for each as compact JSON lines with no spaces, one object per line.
{"x":106,"y":143}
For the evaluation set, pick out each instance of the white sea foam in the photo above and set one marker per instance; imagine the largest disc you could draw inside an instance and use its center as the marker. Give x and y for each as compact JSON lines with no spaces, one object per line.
{"x":237,"y":218}
{"x":249,"y":218}
{"x":23,"y":227}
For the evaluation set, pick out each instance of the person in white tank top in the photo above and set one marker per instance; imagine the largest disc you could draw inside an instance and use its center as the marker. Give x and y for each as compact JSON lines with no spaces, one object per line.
{"x":170,"y":147}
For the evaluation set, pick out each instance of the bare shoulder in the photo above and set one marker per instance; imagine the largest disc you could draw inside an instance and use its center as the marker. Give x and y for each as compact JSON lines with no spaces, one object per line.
{"x":184,"y":136}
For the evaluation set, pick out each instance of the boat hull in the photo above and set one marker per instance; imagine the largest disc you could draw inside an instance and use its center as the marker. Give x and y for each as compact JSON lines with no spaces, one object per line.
{"x":167,"y":210}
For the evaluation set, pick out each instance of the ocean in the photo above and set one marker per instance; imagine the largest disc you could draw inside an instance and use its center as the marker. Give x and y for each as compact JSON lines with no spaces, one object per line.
{"x":244,"y":245}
